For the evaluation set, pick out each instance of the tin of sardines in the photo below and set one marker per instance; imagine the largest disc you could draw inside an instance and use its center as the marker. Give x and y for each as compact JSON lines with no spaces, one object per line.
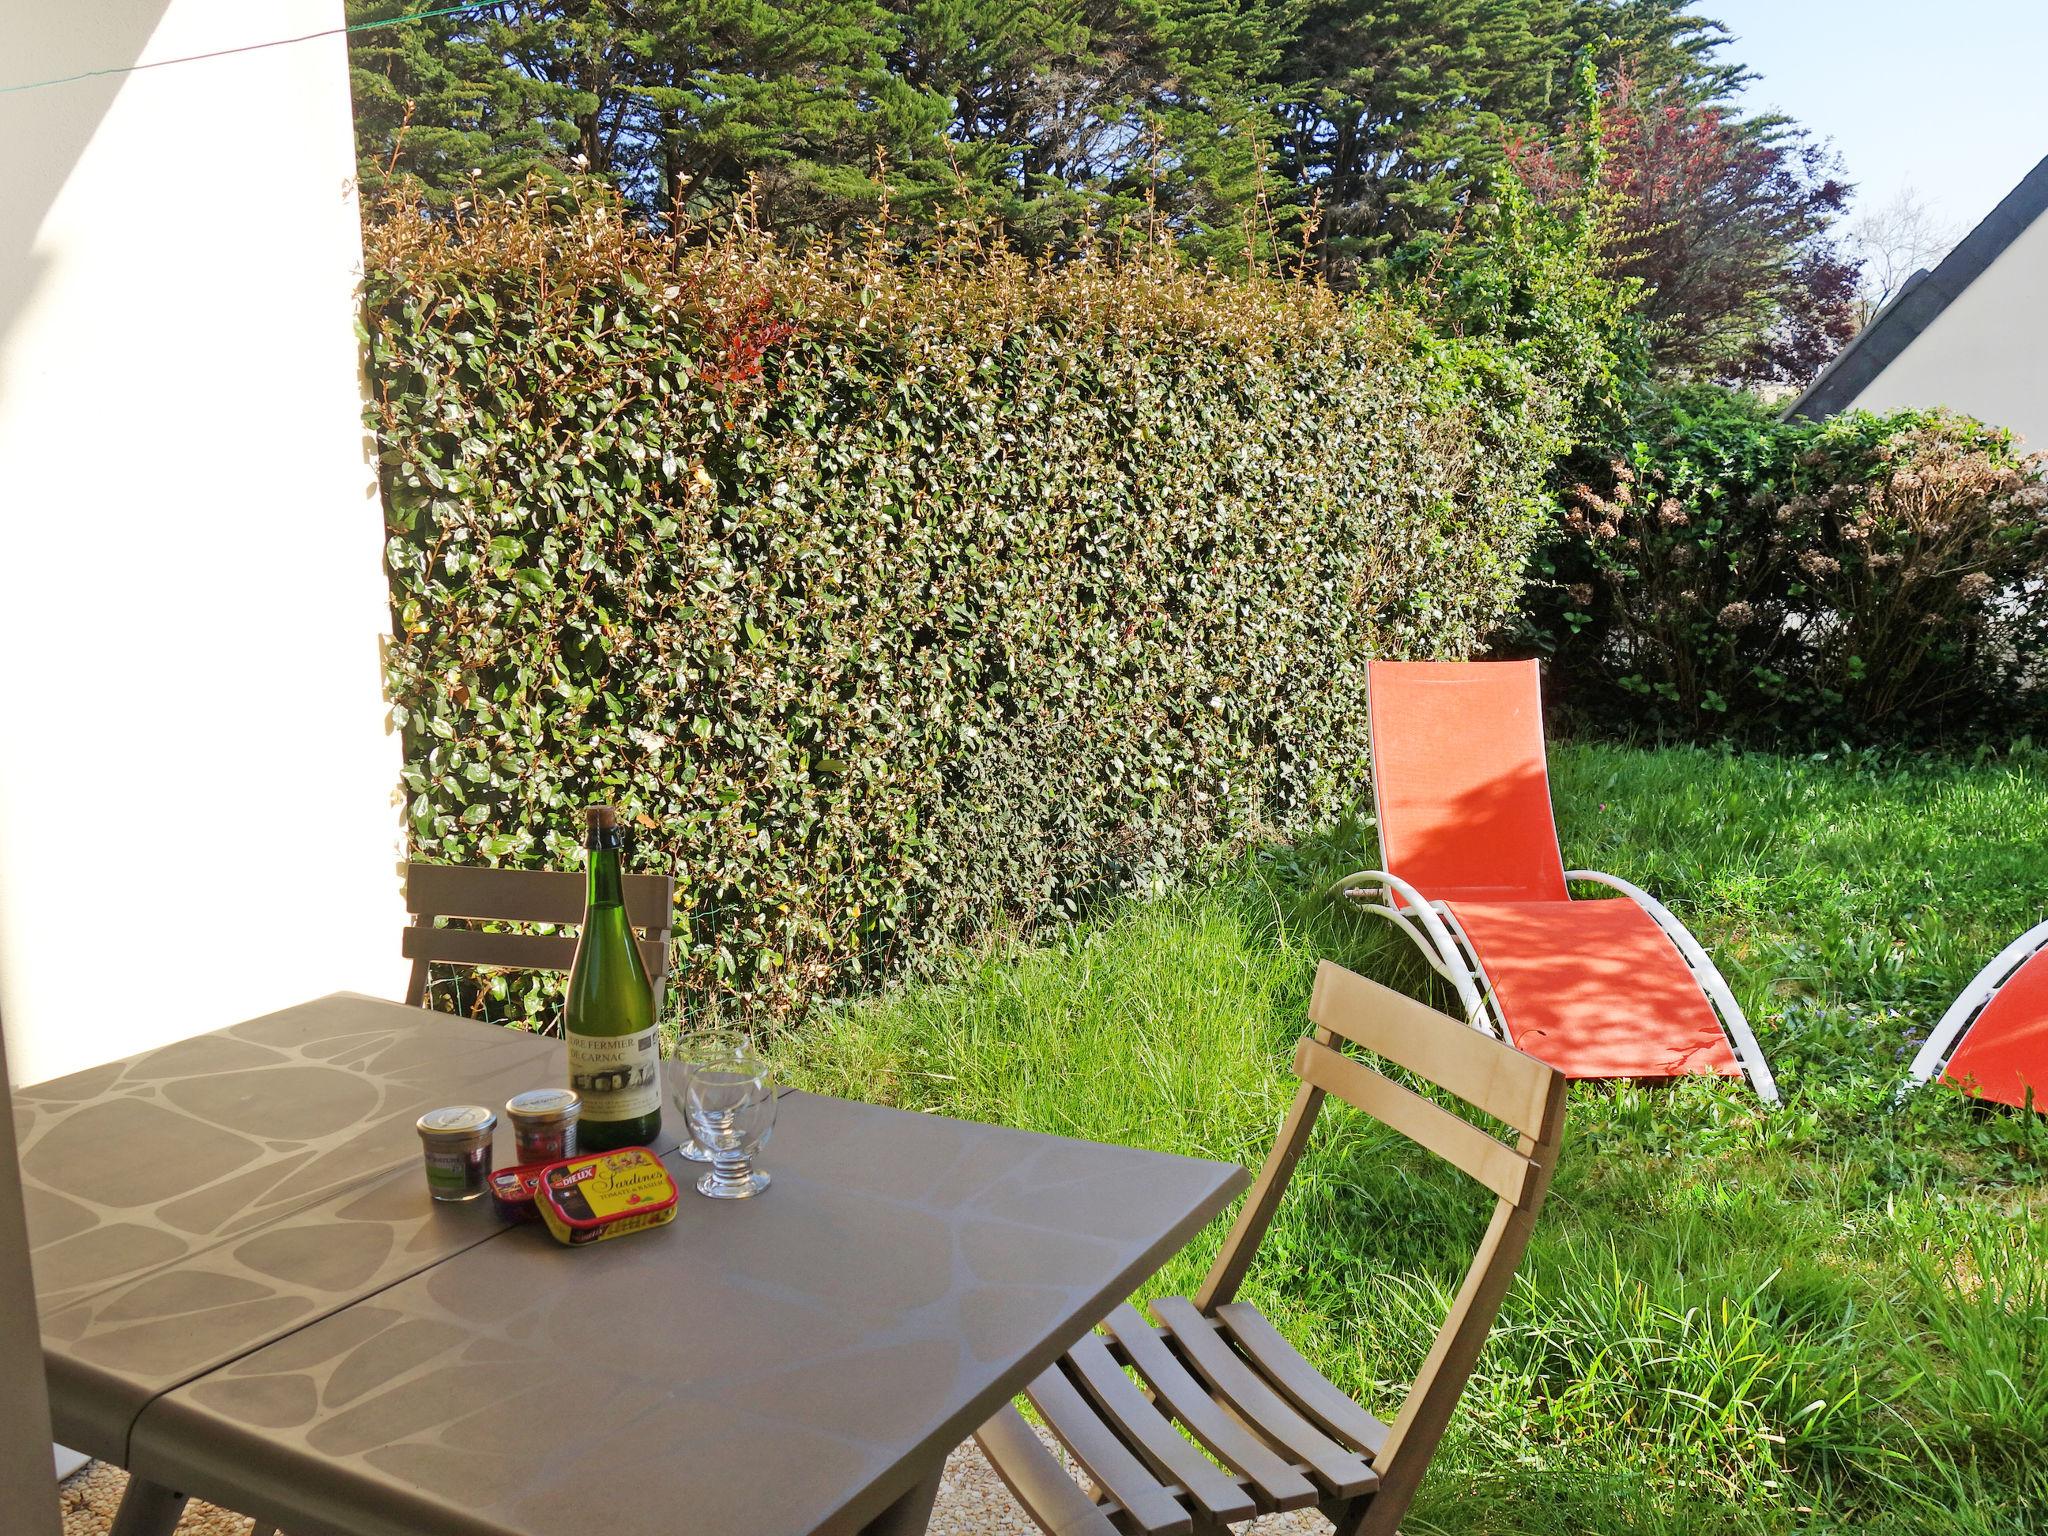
{"x":606,"y":1195}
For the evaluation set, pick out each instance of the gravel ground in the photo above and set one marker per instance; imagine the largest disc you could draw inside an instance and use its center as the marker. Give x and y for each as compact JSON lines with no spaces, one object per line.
{"x":972,"y":1502}
{"x":92,"y":1494}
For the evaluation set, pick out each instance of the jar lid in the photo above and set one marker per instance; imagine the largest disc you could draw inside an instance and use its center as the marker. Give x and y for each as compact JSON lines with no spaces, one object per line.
{"x":462,"y":1121}
{"x":545,"y":1104}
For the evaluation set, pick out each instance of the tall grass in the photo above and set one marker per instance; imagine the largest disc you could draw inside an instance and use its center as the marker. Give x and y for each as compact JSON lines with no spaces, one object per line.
{"x":1829,"y":1316}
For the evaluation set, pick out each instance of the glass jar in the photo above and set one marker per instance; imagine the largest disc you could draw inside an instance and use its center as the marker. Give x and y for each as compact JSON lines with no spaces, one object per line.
{"x":544,"y":1124}
{"x":457,"y":1145}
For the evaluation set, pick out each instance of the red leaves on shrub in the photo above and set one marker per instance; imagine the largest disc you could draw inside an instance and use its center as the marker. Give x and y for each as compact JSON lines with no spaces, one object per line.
{"x":735,"y":344}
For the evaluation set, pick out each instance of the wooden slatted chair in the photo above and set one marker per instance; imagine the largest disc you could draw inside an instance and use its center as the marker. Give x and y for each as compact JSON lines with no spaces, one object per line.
{"x":434,"y":892}
{"x":1278,"y":1435}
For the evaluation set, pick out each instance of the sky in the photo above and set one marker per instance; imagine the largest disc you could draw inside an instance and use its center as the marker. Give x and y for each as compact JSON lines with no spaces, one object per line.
{"x":1947,"y":97}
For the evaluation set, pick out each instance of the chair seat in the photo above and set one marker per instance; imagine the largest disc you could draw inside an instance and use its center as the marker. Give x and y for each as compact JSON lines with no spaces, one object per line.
{"x":1595,"y":989}
{"x":2004,"y":1054}
{"x":1284,"y":1436}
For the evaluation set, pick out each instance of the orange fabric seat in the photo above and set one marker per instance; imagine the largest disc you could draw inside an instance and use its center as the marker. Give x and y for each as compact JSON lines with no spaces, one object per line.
{"x":2005,"y":1051}
{"x":1595,"y":989}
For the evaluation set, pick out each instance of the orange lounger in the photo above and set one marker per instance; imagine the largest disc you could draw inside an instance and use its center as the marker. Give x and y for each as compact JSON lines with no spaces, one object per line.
{"x":1993,"y":1041}
{"x":1472,"y":873}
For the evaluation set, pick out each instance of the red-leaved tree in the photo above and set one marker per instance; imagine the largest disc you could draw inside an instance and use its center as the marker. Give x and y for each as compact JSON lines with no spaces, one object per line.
{"x":1726,"y":221}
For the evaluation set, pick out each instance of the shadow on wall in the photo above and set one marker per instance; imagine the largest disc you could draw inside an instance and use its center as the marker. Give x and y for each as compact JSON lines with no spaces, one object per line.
{"x":47,"y":130}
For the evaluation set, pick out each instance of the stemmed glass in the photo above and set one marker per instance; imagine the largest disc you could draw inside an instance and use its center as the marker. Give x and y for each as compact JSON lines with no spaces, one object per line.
{"x":689,"y":1055}
{"x":731,"y":1097}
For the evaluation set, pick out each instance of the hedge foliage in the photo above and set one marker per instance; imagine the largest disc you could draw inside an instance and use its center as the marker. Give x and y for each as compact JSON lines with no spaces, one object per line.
{"x":896,"y":599}
{"x":1868,"y":578}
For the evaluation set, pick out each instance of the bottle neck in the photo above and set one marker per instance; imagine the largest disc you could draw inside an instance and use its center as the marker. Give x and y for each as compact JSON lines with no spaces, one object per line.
{"x":602,"y":889}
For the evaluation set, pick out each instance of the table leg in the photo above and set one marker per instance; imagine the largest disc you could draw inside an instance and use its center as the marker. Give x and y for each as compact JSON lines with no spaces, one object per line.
{"x":147,"y":1509}
{"x":910,"y":1515}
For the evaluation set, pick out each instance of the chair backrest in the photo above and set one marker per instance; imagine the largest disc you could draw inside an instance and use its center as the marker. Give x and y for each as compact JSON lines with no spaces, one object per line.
{"x":1522,"y":1093}
{"x":28,"y":1487}
{"x":1459,"y":780}
{"x":466,"y":892}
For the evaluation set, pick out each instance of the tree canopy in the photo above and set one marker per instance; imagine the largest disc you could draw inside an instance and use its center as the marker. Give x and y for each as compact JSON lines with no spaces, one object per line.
{"x":1371,"y":119}
{"x":1355,"y":132}
{"x":1724,"y":225}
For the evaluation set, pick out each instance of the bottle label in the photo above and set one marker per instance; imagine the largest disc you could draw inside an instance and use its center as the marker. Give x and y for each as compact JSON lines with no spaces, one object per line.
{"x":619,"y":1076}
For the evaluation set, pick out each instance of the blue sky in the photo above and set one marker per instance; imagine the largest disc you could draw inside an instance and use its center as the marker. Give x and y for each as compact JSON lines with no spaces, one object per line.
{"x":1949,"y":97}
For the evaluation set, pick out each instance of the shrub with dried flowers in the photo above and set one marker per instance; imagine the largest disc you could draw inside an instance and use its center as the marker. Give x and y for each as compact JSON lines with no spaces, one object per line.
{"x":1865,"y":578}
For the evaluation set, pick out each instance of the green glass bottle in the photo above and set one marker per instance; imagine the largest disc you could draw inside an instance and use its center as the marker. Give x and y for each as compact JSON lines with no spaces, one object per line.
{"x":608,"y":1019}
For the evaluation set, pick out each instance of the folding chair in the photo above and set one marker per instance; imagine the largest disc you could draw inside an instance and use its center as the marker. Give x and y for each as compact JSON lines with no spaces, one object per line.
{"x":436,"y":892}
{"x":1282,"y":1436}
{"x":1471,"y":872}
{"x":1993,"y":1041}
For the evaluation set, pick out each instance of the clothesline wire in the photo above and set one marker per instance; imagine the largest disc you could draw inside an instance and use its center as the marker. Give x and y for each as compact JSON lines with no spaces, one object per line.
{"x":222,"y":53}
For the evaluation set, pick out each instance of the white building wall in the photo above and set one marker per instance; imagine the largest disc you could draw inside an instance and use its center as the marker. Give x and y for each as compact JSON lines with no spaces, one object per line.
{"x":197,"y":813}
{"x":1987,"y":353}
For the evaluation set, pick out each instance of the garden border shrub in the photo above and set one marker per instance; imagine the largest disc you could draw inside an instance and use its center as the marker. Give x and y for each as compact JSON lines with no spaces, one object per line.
{"x":1869,"y":578}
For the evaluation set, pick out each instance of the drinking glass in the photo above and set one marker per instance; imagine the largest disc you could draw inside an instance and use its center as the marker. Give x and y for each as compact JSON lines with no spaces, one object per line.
{"x":731,"y":1098}
{"x":689,"y":1055}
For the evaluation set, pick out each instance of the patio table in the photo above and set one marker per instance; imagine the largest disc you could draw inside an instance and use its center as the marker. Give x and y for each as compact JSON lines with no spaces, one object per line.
{"x":247,"y":1295}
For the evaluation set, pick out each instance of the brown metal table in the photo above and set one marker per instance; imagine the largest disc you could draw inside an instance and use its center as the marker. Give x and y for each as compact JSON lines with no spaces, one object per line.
{"x":246,"y":1295}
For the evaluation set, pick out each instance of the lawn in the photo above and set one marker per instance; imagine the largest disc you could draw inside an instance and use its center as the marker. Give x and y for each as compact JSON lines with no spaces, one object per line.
{"x":1829,"y":1316}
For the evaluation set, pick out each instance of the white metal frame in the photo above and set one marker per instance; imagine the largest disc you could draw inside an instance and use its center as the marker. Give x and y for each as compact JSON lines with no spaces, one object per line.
{"x":1429,"y":925}
{"x":1976,"y":997}
{"x":1734,"y":1022}
{"x":1434,"y":929}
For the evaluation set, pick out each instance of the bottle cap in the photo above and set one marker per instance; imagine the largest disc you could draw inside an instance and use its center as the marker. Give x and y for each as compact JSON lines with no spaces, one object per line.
{"x":603,"y":816}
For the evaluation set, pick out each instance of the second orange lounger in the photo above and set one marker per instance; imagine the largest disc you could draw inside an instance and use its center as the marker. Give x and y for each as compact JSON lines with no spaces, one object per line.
{"x":1993,"y":1041}
{"x":1472,"y":873}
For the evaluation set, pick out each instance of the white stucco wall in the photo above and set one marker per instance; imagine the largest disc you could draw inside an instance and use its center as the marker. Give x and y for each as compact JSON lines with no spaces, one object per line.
{"x":197,"y":820}
{"x":1987,"y":353}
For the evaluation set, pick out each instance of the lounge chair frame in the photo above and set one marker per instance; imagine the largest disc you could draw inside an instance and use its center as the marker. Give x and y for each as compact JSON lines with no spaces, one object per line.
{"x":1941,"y":1043}
{"x":1433,"y":927}
{"x":1281,"y":1436}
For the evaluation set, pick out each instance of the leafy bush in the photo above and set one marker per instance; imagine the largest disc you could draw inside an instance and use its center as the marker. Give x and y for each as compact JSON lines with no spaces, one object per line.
{"x":896,"y":599}
{"x":1868,"y":577}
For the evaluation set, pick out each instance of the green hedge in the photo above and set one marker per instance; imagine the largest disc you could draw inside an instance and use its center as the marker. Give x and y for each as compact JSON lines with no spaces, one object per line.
{"x":898,"y":600}
{"x":1867,"y":578}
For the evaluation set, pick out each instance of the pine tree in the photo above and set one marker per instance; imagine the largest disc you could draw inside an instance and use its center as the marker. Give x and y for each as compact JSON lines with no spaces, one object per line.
{"x":697,"y":99}
{"x":1223,"y":125}
{"x":419,"y":103}
{"x":1071,"y":117}
{"x":1396,"y":113}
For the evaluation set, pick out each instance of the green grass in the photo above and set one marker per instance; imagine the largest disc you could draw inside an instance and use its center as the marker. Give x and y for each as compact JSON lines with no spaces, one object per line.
{"x":1827,"y":1317}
